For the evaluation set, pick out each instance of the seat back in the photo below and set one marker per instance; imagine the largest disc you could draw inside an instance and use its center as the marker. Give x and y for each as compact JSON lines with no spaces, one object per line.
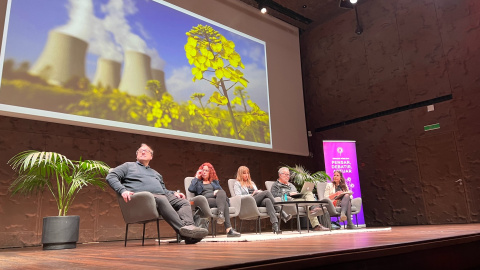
{"x":141,"y":208}
{"x":231,"y":186}
{"x":321,"y":186}
{"x":187,"y":182}
{"x":268,"y":185}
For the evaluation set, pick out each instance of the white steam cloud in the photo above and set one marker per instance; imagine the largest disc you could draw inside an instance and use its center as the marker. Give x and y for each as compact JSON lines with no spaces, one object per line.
{"x":109,"y":37}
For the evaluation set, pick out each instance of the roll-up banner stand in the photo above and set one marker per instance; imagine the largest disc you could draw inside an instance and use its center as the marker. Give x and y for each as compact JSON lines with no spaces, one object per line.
{"x":342,"y":156}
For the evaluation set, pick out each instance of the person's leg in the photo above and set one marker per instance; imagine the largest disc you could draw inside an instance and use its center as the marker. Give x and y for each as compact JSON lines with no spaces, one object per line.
{"x":346,"y":210}
{"x":178,"y":213}
{"x":183,"y":208}
{"x":262,"y":200}
{"x":168,"y":213}
{"x":312,"y":215}
{"x":222,"y":205}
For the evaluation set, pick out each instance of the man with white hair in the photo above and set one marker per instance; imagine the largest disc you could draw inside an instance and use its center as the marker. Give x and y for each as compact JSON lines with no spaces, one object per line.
{"x":282,"y":186}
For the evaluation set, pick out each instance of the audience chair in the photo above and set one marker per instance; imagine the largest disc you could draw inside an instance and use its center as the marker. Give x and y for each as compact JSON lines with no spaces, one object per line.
{"x":141,"y":209}
{"x":211,"y":213}
{"x":336,"y":211}
{"x":249,"y":209}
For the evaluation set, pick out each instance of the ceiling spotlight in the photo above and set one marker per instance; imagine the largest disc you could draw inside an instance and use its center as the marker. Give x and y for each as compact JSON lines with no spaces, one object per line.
{"x":304,"y":6}
{"x":262,"y":6}
{"x":348,"y":3}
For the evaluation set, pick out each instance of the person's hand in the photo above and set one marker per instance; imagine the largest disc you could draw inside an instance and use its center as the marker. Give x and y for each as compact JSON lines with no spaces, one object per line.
{"x":126,"y":195}
{"x":215,"y":192}
{"x":179,"y":195}
{"x":198,"y":174}
{"x":292,"y":193}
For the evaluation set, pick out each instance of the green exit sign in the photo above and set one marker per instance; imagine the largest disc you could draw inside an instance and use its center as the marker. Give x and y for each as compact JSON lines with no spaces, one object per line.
{"x":431,"y":127}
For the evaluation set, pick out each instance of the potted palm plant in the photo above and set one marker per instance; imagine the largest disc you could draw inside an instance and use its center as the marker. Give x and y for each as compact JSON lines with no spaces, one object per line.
{"x":64,"y":178}
{"x":301,"y":175}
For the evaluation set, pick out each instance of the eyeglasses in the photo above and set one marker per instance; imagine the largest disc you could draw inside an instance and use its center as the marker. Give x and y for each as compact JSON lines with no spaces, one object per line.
{"x":287,"y":174}
{"x":145,"y":150}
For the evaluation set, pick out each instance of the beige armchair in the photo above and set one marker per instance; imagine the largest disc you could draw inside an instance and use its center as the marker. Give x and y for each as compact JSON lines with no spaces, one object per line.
{"x":211,"y":213}
{"x":141,"y":209}
{"x":248,"y":209}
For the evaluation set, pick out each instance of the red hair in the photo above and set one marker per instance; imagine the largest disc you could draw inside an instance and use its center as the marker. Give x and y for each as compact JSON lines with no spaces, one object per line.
{"x":212,"y":173}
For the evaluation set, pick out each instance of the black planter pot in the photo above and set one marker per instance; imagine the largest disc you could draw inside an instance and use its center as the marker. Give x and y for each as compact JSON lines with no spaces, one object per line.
{"x":60,"y":232}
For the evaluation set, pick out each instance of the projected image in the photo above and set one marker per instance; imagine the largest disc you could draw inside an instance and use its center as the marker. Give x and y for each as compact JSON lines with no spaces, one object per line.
{"x":138,"y":65}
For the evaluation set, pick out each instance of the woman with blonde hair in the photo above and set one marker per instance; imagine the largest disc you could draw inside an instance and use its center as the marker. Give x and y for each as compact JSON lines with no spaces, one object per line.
{"x":206,"y":183}
{"x":244,"y":186}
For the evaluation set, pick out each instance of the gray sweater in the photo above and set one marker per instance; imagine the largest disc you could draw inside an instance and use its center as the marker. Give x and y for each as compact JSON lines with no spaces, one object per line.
{"x":135,"y":177}
{"x":279,"y":188}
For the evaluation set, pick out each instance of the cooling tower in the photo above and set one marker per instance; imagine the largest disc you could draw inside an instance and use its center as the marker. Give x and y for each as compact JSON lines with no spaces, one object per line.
{"x":136,"y":73}
{"x":108,"y":73}
{"x":159,"y":75}
{"x":62,"y":58}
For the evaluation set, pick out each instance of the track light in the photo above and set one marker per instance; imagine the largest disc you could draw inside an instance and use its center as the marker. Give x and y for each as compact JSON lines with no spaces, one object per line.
{"x":350,"y":4}
{"x":262,"y":6}
{"x":359,"y":29}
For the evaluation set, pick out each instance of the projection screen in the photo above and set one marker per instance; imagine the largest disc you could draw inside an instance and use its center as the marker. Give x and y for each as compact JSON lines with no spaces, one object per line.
{"x":209,"y":71}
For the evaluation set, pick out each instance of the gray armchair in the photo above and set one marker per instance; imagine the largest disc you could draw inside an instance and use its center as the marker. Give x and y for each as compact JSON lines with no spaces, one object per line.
{"x":141,"y":209}
{"x":211,"y":213}
{"x":335,"y":211}
{"x":248,"y":209}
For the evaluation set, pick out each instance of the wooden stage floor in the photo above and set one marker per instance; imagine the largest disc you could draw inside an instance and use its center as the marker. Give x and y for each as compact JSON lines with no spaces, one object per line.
{"x":402,"y":247}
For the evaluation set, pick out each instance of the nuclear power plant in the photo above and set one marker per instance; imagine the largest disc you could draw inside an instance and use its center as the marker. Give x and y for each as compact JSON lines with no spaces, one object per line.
{"x":136,"y":73}
{"x":159,"y":75}
{"x":62,"y":59}
{"x":108,"y":73}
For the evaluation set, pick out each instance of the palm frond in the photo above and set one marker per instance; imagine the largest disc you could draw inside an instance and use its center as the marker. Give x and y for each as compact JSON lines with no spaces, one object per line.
{"x":37,"y":170}
{"x":301,"y":175}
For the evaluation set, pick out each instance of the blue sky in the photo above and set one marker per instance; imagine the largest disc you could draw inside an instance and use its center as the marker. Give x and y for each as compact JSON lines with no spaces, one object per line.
{"x":160,"y":27}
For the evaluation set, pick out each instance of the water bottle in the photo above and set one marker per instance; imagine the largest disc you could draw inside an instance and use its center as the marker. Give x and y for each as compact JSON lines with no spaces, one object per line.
{"x":285,"y":196}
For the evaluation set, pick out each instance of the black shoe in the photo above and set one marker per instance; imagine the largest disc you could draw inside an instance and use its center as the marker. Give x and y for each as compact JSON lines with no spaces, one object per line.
{"x":233,"y":233}
{"x":276,"y":228}
{"x":191,"y":241}
{"x":336,"y":226}
{"x":285,"y":217}
{"x":191,"y":231}
{"x":220,"y":218}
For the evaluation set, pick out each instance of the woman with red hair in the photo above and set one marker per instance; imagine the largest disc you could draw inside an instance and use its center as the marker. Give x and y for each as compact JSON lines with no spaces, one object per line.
{"x":206,"y":183}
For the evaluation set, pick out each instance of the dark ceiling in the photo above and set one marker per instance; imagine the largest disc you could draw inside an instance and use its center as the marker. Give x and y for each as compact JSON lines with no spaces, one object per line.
{"x":303,"y":14}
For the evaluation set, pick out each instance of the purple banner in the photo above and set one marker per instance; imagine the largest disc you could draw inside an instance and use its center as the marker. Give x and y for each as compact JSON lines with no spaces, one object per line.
{"x":342,"y":156}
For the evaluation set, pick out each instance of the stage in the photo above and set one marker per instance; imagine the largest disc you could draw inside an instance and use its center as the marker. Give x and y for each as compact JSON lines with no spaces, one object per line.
{"x":403,"y":247}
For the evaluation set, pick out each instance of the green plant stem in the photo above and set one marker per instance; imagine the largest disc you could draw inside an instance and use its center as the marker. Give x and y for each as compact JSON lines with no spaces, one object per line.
{"x":222,"y":84}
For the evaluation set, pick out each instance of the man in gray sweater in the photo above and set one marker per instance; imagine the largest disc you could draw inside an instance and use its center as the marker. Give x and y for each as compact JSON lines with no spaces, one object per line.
{"x":131,"y":177}
{"x":282,"y":185}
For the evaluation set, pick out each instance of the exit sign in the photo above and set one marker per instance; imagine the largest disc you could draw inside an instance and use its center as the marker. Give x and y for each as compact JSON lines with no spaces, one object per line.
{"x":431,"y":127}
